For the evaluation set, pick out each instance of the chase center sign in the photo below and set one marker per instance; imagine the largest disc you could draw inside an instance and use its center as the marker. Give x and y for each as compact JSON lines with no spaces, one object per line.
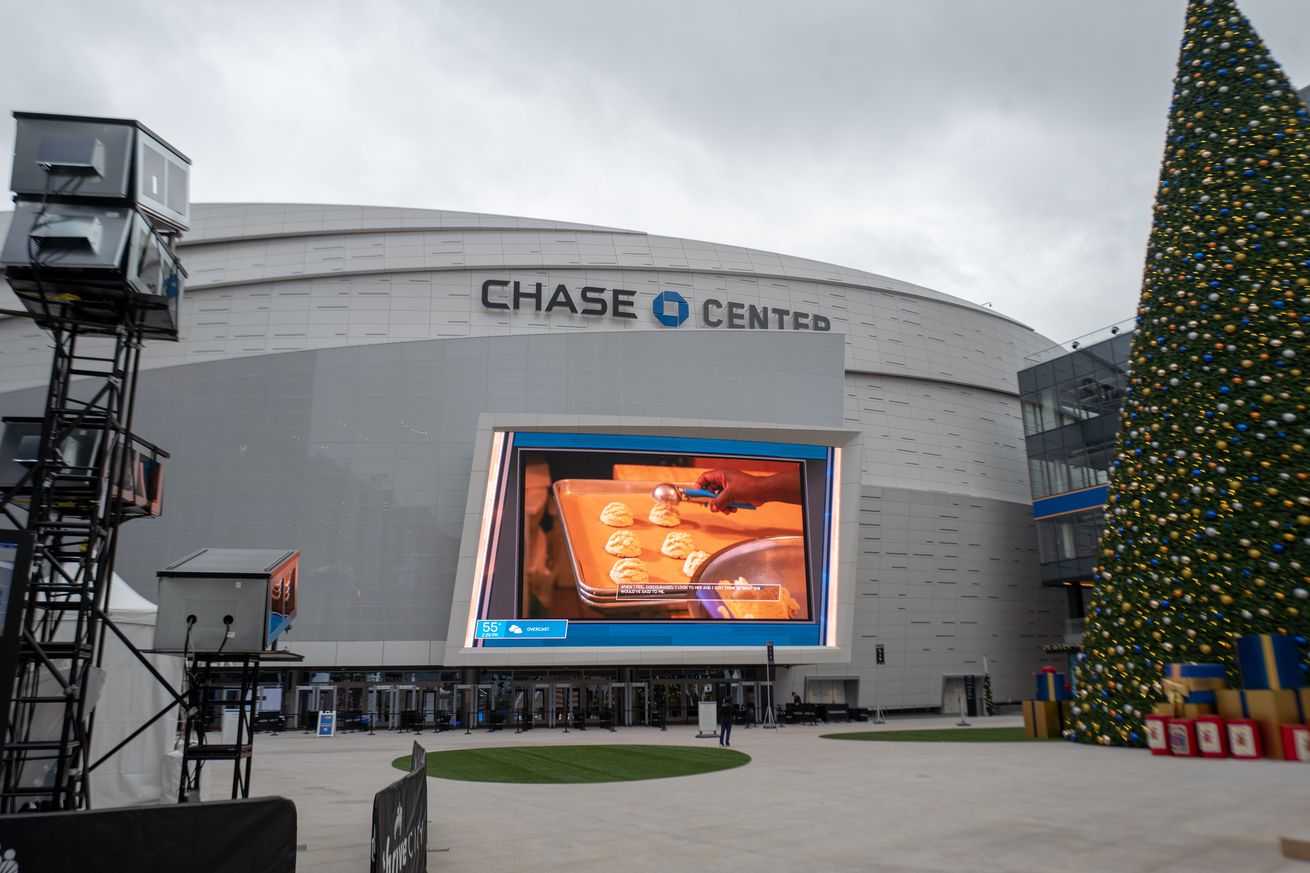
{"x":669,"y":308}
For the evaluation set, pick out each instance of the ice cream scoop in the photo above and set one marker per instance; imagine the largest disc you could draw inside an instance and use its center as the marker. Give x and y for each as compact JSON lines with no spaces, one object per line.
{"x":671,"y":495}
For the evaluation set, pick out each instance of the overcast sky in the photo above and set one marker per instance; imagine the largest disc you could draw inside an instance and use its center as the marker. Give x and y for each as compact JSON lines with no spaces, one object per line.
{"x":1004,"y":151}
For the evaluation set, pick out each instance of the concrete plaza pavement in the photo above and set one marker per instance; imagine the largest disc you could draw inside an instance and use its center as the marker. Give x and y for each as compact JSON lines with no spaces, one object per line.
{"x":809,"y":804}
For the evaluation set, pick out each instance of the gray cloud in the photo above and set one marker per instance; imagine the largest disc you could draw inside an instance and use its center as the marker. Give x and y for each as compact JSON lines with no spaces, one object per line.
{"x":1003,"y":151}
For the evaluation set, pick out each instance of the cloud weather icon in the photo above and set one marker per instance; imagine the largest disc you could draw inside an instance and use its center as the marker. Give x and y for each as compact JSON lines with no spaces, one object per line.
{"x":515,"y":629}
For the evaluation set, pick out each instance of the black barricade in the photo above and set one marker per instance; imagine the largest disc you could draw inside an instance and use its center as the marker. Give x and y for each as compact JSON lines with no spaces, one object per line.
{"x":222,"y":836}
{"x":400,"y":821}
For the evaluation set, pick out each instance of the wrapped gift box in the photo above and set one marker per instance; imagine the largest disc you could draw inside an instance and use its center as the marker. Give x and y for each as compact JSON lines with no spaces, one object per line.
{"x":1243,"y":738}
{"x":1269,"y":661}
{"x":1185,"y":710}
{"x":1182,"y":737}
{"x":1050,"y":686}
{"x":1296,"y":742}
{"x":1195,"y":671}
{"x":1198,"y":677}
{"x":1211,"y":737}
{"x":1157,"y":734}
{"x":1041,"y":719}
{"x":1270,"y":709}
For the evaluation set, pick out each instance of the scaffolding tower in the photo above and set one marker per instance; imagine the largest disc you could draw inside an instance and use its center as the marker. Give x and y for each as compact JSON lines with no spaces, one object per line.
{"x":90,"y":256}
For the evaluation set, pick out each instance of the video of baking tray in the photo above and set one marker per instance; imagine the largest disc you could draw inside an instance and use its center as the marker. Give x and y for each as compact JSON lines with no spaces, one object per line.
{"x":611,"y":534}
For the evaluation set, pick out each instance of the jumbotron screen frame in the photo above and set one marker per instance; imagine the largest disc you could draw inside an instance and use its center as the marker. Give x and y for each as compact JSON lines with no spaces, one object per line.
{"x":501,"y":544}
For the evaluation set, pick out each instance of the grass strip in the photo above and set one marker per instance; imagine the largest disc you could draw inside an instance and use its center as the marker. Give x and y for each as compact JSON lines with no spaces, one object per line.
{"x":557,"y":765}
{"x":946,"y":735}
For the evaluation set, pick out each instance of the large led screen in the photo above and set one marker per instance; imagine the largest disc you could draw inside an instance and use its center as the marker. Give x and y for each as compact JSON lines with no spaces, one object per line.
{"x":609,"y":540}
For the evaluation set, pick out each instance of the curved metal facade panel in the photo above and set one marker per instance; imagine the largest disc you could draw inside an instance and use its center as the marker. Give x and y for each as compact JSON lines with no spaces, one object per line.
{"x":334,"y":360}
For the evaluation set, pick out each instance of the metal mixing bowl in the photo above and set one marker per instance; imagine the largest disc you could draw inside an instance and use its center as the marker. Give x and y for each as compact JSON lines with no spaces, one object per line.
{"x":765,"y":561}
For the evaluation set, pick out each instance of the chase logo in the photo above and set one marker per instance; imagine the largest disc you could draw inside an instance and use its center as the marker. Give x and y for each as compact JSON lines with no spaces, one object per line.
{"x":670,"y":308}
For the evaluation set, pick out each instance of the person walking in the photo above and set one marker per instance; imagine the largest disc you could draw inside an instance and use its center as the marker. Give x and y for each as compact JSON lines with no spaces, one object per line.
{"x":727,"y":712}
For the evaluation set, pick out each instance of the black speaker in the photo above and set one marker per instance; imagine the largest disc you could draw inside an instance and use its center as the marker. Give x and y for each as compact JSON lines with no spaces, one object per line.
{"x":101,"y":160}
{"x":96,"y":261}
{"x":98,"y":204}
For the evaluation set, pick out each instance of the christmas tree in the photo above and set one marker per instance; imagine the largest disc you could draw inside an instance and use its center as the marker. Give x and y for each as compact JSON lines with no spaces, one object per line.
{"x":1208,"y":519}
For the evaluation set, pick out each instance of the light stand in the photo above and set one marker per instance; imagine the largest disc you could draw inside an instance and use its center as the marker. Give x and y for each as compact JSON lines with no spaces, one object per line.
{"x":770,"y":720}
{"x":873,"y":680}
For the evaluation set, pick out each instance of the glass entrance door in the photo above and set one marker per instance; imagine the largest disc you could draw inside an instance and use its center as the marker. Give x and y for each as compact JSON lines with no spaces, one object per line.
{"x":385,"y":705}
{"x":520,"y":711}
{"x":406,"y":714}
{"x":631,"y":703}
{"x":764,"y":700}
{"x":594,"y":698}
{"x":638,"y":704}
{"x":486,"y":706}
{"x":466,"y":706}
{"x":310,"y":700}
{"x":427,"y":706}
{"x":446,"y":715}
{"x":562,"y":703}
{"x":683,"y":697}
{"x":541,"y":713}
{"x":550,"y":703}
{"x":474,"y":705}
{"x":745,"y":695}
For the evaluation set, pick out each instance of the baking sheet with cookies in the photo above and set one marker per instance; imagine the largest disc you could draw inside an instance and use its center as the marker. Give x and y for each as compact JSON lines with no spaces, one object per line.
{"x":581,"y":502}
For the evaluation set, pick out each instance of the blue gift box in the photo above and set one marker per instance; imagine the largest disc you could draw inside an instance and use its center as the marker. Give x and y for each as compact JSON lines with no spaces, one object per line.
{"x":1202,"y":697}
{"x":1269,"y":661}
{"x":1050,"y":686}
{"x":1195,"y":671}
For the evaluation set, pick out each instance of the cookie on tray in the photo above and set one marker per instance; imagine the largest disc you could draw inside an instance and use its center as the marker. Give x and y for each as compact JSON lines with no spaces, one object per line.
{"x":629,"y":571}
{"x":664,"y":515}
{"x":616,"y":515}
{"x":623,"y":544}
{"x":693,"y":562}
{"x":677,"y":544}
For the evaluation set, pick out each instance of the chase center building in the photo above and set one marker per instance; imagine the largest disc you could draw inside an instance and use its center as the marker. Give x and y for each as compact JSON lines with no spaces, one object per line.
{"x":430,"y":405}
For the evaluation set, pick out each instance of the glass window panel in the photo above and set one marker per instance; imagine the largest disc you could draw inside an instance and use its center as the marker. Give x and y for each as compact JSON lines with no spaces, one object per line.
{"x":1037,"y":478}
{"x":1057,"y":475}
{"x":1032,"y":417}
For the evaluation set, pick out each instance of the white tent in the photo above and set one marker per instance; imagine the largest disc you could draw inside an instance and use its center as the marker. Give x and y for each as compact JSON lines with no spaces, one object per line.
{"x":130,"y":696}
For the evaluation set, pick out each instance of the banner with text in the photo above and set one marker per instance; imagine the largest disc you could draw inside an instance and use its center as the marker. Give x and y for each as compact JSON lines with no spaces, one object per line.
{"x":400,"y":821}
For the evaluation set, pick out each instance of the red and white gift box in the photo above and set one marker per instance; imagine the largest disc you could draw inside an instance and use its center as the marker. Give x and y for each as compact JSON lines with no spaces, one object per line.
{"x":1157,"y":734}
{"x":1296,"y":742}
{"x":1182,"y":737}
{"x":1244,"y":738}
{"x":1211,"y":737}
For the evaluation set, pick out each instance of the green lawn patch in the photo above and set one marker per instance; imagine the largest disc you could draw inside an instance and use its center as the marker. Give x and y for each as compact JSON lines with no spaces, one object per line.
{"x":553,"y":765}
{"x":947,"y":735}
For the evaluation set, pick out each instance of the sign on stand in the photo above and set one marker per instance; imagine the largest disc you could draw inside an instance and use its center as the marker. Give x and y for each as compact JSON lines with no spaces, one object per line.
{"x":327,"y":723}
{"x":707,"y":717}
